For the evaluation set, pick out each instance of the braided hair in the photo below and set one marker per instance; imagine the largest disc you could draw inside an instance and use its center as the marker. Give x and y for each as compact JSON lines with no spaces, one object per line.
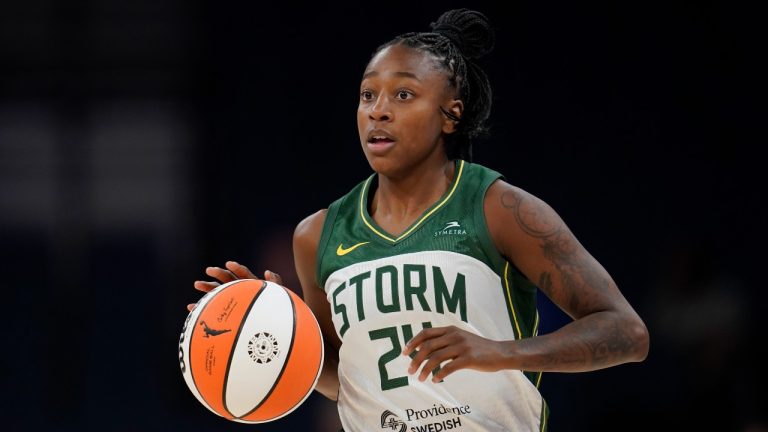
{"x":458,"y":38}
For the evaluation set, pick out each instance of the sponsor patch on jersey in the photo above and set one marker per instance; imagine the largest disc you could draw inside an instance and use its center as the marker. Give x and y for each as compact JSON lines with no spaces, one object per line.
{"x":451,"y":228}
{"x":436,"y":418}
{"x":391,"y":421}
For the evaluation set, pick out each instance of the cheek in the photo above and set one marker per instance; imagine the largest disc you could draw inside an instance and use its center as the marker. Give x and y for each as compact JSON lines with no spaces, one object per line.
{"x":361,"y":120}
{"x":427,"y":124}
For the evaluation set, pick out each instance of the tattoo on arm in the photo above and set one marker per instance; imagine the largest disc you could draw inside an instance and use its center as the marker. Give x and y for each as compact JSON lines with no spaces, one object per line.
{"x":582,"y":289}
{"x":529,"y":217}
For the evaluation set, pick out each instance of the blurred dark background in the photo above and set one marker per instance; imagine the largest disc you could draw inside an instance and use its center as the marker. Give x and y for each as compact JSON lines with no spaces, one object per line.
{"x":141,"y":141}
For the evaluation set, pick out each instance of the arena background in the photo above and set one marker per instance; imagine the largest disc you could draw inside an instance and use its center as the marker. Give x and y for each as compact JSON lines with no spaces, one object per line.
{"x":141,"y":141}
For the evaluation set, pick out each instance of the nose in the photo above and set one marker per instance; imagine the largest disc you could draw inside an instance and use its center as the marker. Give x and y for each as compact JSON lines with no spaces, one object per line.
{"x":380,"y":110}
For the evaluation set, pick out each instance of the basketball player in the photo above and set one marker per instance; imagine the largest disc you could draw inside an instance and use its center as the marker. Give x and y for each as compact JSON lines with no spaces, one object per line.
{"x":423,"y":277}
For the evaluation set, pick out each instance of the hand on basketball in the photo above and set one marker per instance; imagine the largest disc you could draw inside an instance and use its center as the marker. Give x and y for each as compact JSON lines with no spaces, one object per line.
{"x":462,"y":350}
{"x":231,"y":271}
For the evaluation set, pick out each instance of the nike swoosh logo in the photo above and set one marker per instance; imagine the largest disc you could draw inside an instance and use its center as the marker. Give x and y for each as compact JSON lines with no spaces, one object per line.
{"x":340,"y":251}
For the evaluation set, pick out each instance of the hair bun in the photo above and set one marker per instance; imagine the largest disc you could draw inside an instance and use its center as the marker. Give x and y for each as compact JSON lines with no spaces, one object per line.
{"x":469,"y":30}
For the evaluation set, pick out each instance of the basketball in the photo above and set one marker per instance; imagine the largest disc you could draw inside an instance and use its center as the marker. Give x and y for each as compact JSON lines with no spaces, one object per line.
{"x":251,"y":351}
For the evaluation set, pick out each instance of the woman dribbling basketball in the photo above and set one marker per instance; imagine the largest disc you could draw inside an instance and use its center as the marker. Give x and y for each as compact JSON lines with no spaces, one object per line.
{"x":423,"y":277}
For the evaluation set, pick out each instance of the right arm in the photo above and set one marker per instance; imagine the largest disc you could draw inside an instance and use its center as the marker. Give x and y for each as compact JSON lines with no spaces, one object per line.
{"x":306,"y":239}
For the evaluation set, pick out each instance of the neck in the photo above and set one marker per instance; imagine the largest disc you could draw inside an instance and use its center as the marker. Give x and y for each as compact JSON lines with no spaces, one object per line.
{"x":406,"y":197}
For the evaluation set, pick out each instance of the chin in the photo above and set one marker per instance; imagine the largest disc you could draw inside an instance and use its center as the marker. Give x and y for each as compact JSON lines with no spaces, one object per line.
{"x":384,"y":165}
{"x":377,"y":163}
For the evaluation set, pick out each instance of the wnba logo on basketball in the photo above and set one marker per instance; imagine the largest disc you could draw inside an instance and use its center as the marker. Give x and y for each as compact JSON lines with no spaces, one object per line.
{"x":263,"y":347}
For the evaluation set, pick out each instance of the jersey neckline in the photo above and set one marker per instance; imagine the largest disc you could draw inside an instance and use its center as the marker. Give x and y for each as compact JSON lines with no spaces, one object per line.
{"x":381,"y":233}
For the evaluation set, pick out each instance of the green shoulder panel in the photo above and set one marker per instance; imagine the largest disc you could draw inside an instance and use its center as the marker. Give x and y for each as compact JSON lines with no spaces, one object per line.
{"x":332,"y":219}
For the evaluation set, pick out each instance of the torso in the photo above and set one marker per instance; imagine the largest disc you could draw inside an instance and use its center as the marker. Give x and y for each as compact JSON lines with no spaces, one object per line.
{"x":441,"y":270}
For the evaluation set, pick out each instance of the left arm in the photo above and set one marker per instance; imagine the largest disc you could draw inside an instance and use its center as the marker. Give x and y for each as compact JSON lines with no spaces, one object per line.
{"x":606,"y":331}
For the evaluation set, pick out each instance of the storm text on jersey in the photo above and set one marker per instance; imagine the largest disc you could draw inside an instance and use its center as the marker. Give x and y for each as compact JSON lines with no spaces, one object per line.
{"x":400,"y":288}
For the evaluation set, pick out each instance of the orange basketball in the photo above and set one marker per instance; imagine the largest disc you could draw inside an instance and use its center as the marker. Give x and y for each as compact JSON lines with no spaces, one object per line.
{"x":251,"y":351}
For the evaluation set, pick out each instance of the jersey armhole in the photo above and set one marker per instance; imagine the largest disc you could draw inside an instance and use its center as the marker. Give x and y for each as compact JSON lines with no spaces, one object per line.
{"x":484,"y":234}
{"x":328,"y":224}
{"x":486,"y":240}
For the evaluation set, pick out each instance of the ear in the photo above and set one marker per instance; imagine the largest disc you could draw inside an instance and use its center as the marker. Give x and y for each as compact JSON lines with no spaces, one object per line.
{"x":455,"y":107}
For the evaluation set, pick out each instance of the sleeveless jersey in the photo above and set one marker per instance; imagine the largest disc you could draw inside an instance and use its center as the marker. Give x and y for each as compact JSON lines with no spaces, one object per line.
{"x":443,"y":270}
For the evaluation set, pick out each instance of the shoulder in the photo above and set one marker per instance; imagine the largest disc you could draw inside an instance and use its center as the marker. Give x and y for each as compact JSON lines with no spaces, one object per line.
{"x":309,"y":230}
{"x":529,"y":211}
{"x":479,"y":171}
{"x":516,"y":217}
{"x":306,"y":239}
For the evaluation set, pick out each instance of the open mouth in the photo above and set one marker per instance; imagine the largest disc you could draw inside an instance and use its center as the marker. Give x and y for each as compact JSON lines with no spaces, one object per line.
{"x":380,"y":140}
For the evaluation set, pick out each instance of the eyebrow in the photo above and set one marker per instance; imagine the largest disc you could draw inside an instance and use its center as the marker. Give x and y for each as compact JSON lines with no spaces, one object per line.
{"x":400,"y":74}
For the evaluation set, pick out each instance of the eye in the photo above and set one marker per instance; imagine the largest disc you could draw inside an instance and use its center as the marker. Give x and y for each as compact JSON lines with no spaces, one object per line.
{"x":404,"y":94}
{"x":366,"y":95}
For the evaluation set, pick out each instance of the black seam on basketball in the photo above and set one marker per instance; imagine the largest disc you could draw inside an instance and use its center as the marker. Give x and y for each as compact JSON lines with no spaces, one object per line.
{"x":287,"y":357}
{"x":191,"y":338}
{"x":319,"y":370}
{"x":234,"y":344}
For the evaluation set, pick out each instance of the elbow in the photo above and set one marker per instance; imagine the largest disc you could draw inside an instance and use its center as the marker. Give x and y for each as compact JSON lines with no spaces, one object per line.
{"x":638,"y":334}
{"x":331,"y":395}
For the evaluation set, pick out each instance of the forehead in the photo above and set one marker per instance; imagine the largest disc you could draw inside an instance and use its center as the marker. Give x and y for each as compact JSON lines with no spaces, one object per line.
{"x":400,"y":58}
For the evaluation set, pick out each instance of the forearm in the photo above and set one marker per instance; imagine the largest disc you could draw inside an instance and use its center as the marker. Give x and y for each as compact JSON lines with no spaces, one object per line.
{"x":328,"y":383}
{"x":596,"y":341}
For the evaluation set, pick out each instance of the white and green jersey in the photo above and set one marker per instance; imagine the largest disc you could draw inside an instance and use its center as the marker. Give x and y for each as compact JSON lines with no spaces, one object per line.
{"x":443,"y":270}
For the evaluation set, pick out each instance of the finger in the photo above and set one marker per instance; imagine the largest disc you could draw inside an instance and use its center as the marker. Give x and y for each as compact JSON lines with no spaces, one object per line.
{"x":191,"y":306}
{"x":240,"y":271}
{"x":421,"y":337}
{"x":432,"y":366}
{"x":426,"y":351}
{"x":449,"y":368}
{"x":205,"y":286}
{"x":223,"y":275}
{"x":273,"y":277}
